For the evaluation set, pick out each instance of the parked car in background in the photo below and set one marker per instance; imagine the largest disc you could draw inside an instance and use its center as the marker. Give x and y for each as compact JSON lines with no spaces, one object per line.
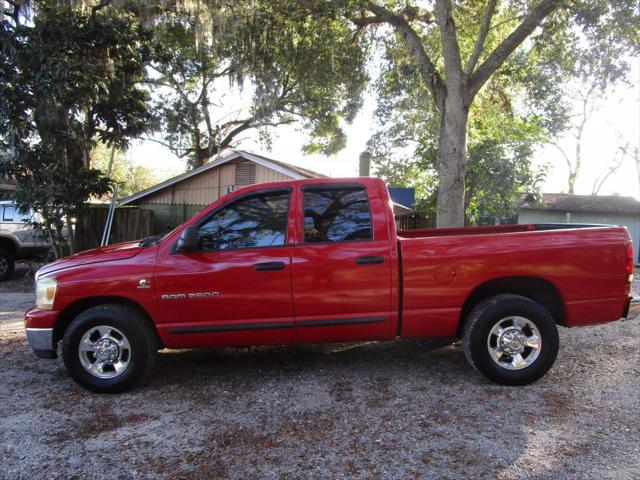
{"x":319,"y":260}
{"x":18,"y":239}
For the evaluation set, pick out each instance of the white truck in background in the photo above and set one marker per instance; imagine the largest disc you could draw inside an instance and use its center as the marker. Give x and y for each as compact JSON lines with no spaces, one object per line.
{"x":18,"y":239}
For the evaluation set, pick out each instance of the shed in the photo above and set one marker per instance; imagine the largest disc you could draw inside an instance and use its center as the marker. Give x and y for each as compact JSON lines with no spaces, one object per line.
{"x":598,"y":209}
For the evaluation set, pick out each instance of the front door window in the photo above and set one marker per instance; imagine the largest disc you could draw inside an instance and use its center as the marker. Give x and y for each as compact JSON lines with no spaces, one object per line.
{"x":255,"y":221}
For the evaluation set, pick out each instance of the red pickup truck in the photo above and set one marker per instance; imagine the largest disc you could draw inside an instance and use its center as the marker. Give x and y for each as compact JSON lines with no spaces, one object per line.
{"x":319,"y":260}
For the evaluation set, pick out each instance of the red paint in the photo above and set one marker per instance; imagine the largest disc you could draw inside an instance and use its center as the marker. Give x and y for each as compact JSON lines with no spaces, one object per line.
{"x":320,"y":286}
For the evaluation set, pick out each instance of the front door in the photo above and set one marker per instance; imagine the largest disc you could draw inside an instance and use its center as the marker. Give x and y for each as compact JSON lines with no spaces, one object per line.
{"x":342,"y":267}
{"x":236,"y":288}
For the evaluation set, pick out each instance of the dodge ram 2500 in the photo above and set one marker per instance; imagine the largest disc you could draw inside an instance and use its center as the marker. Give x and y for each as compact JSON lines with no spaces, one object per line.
{"x":319,"y":260}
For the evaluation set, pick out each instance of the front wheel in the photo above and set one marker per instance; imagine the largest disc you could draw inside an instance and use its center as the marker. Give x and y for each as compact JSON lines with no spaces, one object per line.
{"x":109,"y":348}
{"x":510,"y":339}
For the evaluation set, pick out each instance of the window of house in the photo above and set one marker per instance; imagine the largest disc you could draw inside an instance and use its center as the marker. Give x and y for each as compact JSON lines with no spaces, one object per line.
{"x":256,"y":221}
{"x":336,"y":214}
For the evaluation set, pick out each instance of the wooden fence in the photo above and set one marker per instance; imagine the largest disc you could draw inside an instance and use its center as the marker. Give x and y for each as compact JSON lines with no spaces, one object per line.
{"x":129,"y":223}
{"x":415,"y":222}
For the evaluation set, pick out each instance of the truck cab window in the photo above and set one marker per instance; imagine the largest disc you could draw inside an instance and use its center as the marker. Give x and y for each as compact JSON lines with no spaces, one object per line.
{"x":256,"y":221}
{"x":336,"y":215}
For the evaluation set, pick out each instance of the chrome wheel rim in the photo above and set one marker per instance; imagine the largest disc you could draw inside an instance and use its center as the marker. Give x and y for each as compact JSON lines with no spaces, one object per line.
{"x":514,"y":343}
{"x":104,"y":352}
{"x":4,"y":265}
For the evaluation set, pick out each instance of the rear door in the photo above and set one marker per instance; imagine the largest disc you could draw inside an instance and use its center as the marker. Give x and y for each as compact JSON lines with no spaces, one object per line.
{"x":341,"y":265}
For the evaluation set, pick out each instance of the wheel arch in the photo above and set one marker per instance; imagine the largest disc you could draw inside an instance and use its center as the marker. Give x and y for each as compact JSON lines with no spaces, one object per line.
{"x":67,"y":315}
{"x":538,"y":289}
{"x":9,"y":244}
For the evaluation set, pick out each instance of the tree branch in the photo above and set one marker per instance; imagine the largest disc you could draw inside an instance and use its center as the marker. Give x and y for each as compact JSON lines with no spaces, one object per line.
{"x":427,"y":69}
{"x":412,"y":13}
{"x":482,"y":36}
{"x":449,"y":39}
{"x":99,"y":6}
{"x":598,"y":183}
{"x":176,"y":151}
{"x":366,"y":21}
{"x":245,"y":125}
{"x":168,"y":80}
{"x":566,"y":157}
{"x":502,"y":51}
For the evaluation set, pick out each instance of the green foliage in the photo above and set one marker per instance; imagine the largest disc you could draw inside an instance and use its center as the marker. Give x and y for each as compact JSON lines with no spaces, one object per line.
{"x":522,"y":104}
{"x":502,"y":135}
{"x":499,"y":169}
{"x":305,"y":70}
{"x":129,"y":177}
{"x":67,"y":81}
{"x":55,"y":191}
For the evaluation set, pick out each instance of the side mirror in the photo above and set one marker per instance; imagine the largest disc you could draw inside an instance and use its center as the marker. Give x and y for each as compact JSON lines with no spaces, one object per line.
{"x":188,"y":240}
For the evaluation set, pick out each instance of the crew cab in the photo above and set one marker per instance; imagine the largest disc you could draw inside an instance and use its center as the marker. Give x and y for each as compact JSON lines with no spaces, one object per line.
{"x":320,"y":260}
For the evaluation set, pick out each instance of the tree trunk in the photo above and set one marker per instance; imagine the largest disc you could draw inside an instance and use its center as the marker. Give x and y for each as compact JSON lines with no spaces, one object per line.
{"x":572,"y":182}
{"x":453,"y":151}
{"x":53,"y":239}
{"x":198,"y":161}
{"x":111,"y":158}
{"x":575,"y":171}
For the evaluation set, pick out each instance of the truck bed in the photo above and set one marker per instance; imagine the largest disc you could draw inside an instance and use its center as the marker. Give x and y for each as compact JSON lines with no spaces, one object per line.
{"x":484,"y":230}
{"x":442,"y":268}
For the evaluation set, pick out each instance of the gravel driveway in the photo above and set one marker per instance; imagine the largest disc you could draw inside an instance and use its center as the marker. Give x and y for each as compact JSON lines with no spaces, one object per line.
{"x":384,"y":410}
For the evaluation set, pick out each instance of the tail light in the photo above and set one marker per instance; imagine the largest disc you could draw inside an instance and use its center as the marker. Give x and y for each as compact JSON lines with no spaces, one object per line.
{"x":630,"y":261}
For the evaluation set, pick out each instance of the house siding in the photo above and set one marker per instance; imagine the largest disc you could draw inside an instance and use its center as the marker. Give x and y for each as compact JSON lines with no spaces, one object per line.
{"x":631,"y":221}
{"x":207,"y":187}
{"x":181,"y":201}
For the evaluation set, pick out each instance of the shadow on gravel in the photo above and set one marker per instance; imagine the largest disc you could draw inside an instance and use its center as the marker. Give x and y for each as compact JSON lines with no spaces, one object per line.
{"x":383,"y":410}
{"x":274,"y":361}
{"x":402,"y":409}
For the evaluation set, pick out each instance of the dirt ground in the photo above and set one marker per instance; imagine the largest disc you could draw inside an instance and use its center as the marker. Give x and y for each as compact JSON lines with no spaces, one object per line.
{"x":21,"y":280}
{"x":372,"y":410}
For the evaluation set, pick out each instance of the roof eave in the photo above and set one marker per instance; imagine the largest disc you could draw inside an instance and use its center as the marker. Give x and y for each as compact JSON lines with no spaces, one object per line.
{"x":208,"y":166}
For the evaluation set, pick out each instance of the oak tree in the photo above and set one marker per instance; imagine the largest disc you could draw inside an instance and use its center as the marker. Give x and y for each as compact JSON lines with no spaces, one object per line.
{"x":458,"y":47}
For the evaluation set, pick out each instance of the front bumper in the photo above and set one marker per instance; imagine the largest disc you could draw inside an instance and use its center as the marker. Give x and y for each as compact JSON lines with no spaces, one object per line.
{"x":39,"y":327}
{"x":633,"y":308}
{"x":41,"y":341}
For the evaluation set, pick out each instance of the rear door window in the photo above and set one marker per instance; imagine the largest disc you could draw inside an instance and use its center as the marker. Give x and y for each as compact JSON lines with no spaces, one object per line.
{"x":336,"y":214}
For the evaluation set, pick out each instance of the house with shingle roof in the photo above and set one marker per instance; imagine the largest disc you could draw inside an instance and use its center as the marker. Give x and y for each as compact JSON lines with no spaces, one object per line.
{"x":592,"y":209}
{"x":179,"y":198}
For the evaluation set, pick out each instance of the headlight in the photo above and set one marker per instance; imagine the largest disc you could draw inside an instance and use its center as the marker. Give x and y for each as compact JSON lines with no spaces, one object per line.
{"x":46,"y":293}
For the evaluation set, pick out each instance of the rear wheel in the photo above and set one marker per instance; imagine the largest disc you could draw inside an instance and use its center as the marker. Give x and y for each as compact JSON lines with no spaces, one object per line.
{"x":7,"y":264}
{"x":511,"y":339}
{"x":109,"y":348}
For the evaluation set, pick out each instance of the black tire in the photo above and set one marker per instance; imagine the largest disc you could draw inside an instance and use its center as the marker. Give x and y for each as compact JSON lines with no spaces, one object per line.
{"x":141,"y":336}
{"x":488,"y":313}
{"x":7,"y":264}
